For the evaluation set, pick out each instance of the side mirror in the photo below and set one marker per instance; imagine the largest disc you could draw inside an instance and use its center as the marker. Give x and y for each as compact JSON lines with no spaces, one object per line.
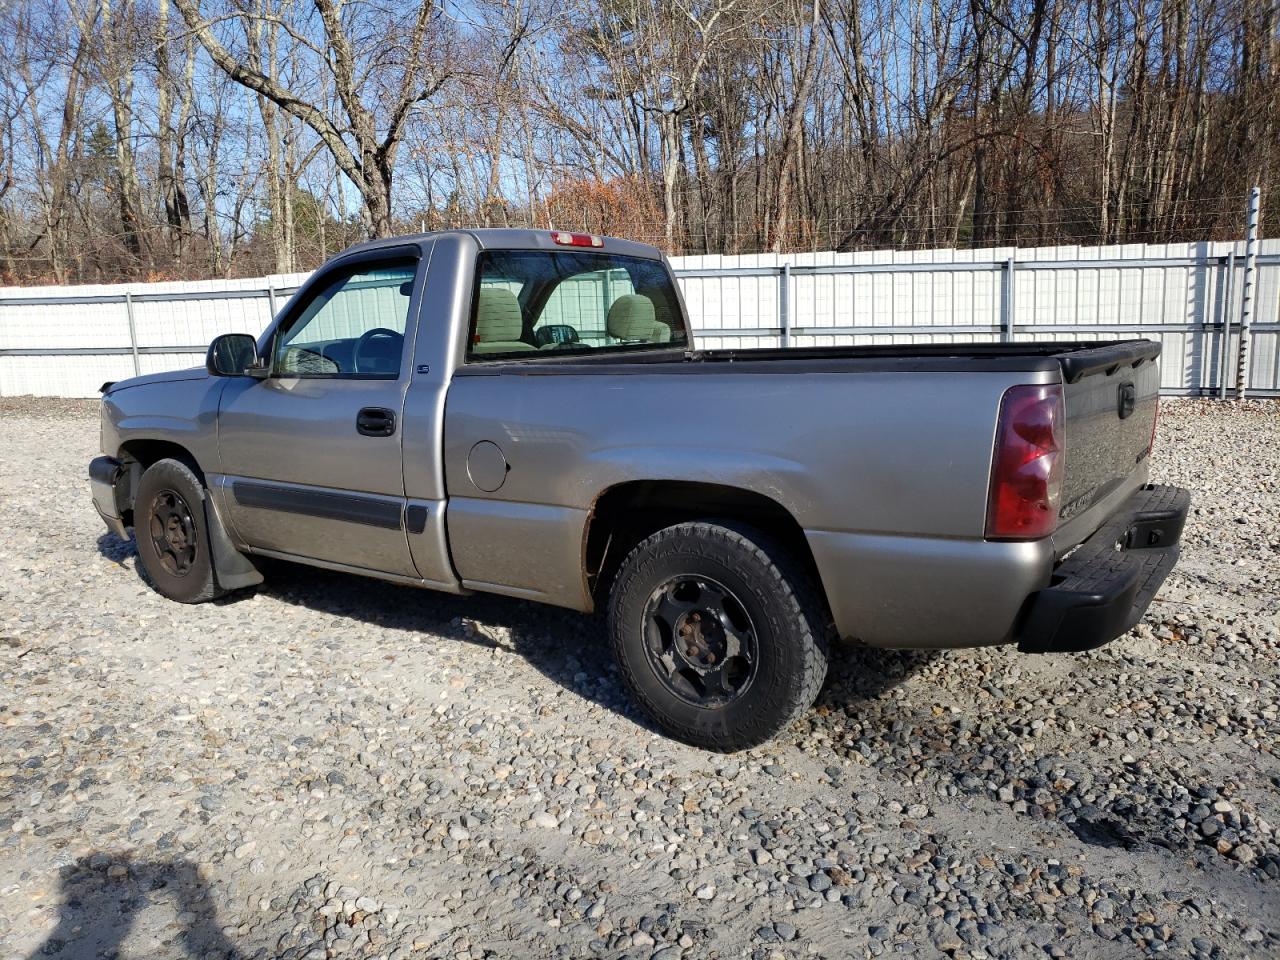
{"x":233,"y":355}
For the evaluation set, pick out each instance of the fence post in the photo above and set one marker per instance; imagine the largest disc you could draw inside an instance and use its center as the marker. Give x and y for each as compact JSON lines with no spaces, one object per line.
{"x":1247,"y":293}
{"x":784,"y":303}
{"x":271,"y":297}
{"x":1010,"y":290}
{"x":133,"y":332}
{"x":1224,"y":362}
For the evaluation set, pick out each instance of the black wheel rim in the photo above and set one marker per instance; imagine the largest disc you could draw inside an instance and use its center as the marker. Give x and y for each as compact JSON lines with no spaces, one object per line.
{"x":700,"y":641}
{"x":173,"y":533}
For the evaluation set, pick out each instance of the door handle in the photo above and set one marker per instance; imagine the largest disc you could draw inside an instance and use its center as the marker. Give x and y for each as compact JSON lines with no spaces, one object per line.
{"x":376,"y":422}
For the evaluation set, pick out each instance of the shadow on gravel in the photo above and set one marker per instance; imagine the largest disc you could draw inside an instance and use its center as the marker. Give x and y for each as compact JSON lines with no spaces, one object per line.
{"x":865,"y":673}
{"x":115,"y":549}
{"x":567,"y":647}
{"x":1104,"y":831}
{"x":100,"y":906}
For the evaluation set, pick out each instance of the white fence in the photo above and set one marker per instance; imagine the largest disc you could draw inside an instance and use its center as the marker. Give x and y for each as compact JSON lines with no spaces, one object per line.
{"x":66,"y":341}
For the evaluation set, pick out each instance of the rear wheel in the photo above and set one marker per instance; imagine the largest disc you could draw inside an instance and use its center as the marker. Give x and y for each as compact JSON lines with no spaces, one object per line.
{"x":171,"y":533}
{"x":719,"y":633}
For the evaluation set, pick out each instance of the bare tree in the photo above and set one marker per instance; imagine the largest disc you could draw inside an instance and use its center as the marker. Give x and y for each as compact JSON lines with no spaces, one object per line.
{"x":243,"y":136}
{"x":792,"y":116}
{"x":656,"y":52}
{"x":115,"y":55}
{"x":365,"y":141}
{"x":173,"y":93}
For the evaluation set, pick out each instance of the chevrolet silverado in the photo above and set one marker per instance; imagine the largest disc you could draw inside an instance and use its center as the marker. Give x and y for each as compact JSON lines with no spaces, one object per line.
{"x":525,"y":413}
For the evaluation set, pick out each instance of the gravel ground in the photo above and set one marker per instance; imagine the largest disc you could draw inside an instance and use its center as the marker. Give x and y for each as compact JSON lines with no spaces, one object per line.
{"x":334,"y":767}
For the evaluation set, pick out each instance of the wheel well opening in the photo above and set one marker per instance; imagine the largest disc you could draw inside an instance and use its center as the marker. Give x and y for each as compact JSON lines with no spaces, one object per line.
{"x":147,"y":452}
{"x":626,"y":514}
{"x":137,"y":455}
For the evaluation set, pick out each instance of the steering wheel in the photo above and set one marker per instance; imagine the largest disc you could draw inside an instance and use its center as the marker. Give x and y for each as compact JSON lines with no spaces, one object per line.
{"x":366,"y":338}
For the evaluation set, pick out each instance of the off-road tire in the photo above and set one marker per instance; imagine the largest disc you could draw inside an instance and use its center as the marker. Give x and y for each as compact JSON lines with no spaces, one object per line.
{"x":788,"y":618}
{"x":167,"y":486}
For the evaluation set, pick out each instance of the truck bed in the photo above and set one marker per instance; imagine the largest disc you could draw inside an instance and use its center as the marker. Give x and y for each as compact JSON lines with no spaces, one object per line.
{"x":905,"y":408}
{"x":1075,"y":359}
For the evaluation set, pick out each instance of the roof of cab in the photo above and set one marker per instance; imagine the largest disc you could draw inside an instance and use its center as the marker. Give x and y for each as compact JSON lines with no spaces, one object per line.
{"x":511,"y":238}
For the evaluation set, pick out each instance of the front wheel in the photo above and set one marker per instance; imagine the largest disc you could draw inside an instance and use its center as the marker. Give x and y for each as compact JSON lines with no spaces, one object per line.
{"x":719,"y":633}
{"x":171,"y":533}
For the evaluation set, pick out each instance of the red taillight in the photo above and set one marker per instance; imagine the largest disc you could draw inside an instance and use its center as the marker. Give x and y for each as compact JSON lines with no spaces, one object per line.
{"x":567,"y":239}
{"x":1026,"y":471}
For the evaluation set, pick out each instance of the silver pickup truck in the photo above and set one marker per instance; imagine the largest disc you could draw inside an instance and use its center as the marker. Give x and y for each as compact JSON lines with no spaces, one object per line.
{"x":523,"y":412}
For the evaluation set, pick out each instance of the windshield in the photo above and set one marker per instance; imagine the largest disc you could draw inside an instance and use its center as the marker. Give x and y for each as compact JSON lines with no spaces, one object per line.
{"x":529,"y":304}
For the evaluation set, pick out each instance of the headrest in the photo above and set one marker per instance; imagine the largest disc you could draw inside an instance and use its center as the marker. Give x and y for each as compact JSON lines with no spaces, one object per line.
{"x":631,"y":318}
{"x":498,"y":315}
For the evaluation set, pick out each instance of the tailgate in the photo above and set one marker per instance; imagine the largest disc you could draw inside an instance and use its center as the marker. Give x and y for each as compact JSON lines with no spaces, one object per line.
{"x":1111,"y":396}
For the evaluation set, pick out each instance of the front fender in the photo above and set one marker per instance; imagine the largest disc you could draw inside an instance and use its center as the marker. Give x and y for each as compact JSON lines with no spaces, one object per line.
{"x":182,"y":412}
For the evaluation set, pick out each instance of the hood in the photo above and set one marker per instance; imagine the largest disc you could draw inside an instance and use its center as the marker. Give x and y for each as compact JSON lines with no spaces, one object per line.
{"x":166,"y":376}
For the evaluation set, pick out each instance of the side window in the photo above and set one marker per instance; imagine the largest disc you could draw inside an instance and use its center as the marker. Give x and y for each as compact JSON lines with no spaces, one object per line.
{"x":352,"y":327}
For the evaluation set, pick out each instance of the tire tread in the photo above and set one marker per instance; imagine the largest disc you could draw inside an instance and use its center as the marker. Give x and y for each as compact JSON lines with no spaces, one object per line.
{"x":790,"y":581}
{"x":209,"y":589}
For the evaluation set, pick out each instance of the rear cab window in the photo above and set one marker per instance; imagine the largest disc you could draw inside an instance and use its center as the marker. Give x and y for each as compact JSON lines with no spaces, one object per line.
{"x":533,"y":304}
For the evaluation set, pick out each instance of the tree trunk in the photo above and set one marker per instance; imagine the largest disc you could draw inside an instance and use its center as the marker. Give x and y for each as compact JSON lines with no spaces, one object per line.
{"x":118,"y":67}
{"x":793,"y":122}
{"x":166,"y":172}
{"x":669,"y":127}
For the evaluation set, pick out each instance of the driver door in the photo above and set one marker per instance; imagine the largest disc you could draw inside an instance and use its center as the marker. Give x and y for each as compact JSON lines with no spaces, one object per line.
{"x":312,"y":455}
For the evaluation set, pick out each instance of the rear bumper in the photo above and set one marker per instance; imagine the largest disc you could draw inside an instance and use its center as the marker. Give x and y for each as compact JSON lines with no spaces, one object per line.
{"x":105,"y":474}
{"x":1104,"y":587}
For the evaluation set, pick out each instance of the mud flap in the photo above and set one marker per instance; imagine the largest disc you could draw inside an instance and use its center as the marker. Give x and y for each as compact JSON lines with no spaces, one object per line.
{"x":231,"y":568}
